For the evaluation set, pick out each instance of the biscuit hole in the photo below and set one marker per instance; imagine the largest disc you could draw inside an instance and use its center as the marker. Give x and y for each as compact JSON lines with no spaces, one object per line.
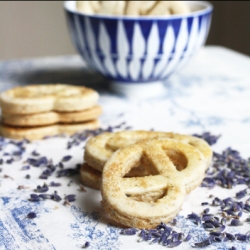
{"x":177,"y":157}
{"x":193,"y":144}
{"x":138,"y":171}
{"x":151,"y":196}
{"x":109,"y":149}
{"x":142,"y":168}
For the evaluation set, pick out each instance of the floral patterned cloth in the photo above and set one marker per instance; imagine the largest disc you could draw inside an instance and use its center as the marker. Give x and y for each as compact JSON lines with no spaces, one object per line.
{"x":212,"y":94}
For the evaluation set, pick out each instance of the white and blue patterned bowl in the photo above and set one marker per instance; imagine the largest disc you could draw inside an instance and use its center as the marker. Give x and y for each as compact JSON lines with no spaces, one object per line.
{"x":133,"y":51}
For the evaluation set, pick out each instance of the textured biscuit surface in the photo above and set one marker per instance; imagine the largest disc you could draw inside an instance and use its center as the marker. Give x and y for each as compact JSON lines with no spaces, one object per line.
{"x":51,"y":117}
{"x":90,"y":176}
{"x":100,"y":148}
{"x":37,"y":133}
{"x":172,"y":180}
{"x":50,"y":97}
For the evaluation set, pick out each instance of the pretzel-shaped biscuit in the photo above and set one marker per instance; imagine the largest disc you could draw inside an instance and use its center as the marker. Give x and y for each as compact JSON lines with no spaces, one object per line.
{"x":99,"y":148}
{"x":167,"y":180}
{"x":43,"y":98}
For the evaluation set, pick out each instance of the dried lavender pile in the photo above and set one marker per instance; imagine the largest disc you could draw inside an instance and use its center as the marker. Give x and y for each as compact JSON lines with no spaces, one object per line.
{"x":228,"y":170}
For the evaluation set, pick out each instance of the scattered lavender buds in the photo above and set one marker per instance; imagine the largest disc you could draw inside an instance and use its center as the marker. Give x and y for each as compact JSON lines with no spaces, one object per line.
{"x":34,"y":153}
{"x":35,"y":198}
{"x":87,"y":244}
{"x":206,"y":211}
{"x":67,"y":172}
{"x":56,"y":197}
{"x":42,"y":189}
{"x":241,"y":194}
{"x":204,"y":203}
{"x":66,"y":158}
{"x":70,"y":197}
{"x":43,"y":177}
{"x":42,"y":161}
{"x":235,"y":222}
{"x":162,"y":234}
{"x":204,"y":243}
{"x":42,"y":196}
{"x":55,"y":184}
{"x":188,"y":237}
{"x":129,"y":231}
{"x":246,"y":207}
{"x":195,"y":218}
{"x":31,"y":215}
{"x":208,"y":137}
{"x":26,"y":167}
{"x":229,"y":169}
{"x":45,"y":196}
{"x":48,"y":171}
{"x":230,"y":210}
{"x":60,"y":165}
{"x":78,"y":138}
{"x":9,"y":161}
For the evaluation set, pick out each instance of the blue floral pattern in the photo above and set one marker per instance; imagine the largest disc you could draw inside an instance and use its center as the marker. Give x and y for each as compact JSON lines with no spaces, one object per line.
{"x":15,"y":225}
{"x":85,"y":228}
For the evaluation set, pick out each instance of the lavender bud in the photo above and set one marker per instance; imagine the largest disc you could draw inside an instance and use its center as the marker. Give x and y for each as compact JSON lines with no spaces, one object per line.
{"x":31,"y":215}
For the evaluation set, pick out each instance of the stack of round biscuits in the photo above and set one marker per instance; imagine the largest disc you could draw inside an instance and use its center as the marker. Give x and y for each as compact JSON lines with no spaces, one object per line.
{"x":35,"y":111}
{"x":144,"y":175}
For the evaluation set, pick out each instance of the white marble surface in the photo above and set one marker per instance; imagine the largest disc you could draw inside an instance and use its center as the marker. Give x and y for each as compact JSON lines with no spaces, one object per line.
{"x":211,"y":94}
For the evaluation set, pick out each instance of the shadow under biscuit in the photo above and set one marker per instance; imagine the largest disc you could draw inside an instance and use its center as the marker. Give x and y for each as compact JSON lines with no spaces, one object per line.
{"x":62,"y":69}
{"x":65,"y":75}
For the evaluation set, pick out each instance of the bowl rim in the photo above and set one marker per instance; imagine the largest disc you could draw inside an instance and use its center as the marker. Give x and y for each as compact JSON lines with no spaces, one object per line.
{"x":208,"y":7}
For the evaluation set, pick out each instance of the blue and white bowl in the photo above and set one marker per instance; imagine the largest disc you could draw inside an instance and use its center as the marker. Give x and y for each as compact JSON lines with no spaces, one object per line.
{"x":139,"y":53}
